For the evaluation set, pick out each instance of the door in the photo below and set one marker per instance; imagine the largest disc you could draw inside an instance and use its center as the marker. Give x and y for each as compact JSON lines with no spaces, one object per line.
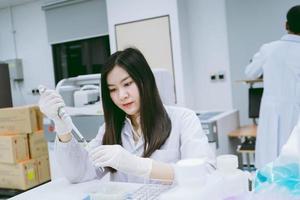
{"x":5,"y":90}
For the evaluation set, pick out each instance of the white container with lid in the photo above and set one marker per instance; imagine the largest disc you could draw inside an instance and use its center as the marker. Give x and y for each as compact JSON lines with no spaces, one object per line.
{"x":195,"y":183}
{"x":191,"y":177}
{"x":230,"y":180}
{"x":227,"y":162}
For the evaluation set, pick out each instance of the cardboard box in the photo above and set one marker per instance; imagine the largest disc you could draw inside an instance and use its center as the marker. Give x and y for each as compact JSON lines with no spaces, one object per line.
{"x":43,"y":168}
{"x":13,"y":148}
{"x":19,"y":176}
{"x":38,"y":146}
{"x":18,"y":120}
{"x":40,"y":117}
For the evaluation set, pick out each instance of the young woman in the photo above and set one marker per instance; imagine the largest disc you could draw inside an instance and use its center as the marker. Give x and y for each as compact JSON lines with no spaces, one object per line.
{"x":141,"y":138}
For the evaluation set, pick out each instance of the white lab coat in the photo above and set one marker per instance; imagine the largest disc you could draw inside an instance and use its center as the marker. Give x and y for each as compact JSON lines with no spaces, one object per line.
{"x":186,"y":140}
{"x":279,"y":62}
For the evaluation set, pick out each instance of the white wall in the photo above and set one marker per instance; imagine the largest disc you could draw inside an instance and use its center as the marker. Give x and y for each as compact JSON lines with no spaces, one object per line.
{"x":199,"y":39}
{"x":185,"y":42}
{"x":31,"y":46}
{"x":205,"y":51}
{"x":132,"y":10}
{"x":199,"y":44}
{"x":6,"y":36}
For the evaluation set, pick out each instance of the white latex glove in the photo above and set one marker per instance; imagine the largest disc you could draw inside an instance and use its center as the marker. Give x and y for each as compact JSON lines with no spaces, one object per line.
{"x":117,"y":157}
{"x":49,"y":103}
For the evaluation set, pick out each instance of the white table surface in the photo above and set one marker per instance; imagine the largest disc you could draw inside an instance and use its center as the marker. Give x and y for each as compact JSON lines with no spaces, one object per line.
{"x":62,"y":189}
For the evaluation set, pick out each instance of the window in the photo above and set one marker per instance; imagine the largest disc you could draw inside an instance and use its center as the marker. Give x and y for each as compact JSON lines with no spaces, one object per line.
{"x":80,"y":57}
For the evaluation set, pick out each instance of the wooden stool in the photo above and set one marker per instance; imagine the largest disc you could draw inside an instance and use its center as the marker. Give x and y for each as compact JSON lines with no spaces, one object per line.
{"x":247,"y":132}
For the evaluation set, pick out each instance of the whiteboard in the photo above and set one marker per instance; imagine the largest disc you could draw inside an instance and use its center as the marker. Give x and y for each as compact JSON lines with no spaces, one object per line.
{"x":152,"y":37}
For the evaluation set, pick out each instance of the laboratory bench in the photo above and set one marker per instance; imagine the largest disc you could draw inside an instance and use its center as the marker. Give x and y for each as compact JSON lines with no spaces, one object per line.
{"x":61,"y":188}
{"x":6,"y":193}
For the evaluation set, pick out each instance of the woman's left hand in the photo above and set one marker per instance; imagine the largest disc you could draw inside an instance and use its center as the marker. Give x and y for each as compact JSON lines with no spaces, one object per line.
{"x":117,"y":157}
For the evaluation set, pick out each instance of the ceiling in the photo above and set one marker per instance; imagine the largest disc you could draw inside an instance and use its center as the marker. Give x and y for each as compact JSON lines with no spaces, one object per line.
{"x":7,"y":3}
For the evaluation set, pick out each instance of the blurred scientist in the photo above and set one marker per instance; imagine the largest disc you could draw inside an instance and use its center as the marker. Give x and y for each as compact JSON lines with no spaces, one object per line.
{"x":279,"y":62}
{"x":140,"y":139}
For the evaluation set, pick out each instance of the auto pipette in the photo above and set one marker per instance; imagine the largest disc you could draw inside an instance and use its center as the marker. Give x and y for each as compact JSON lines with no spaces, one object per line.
{"x":64,"y":116}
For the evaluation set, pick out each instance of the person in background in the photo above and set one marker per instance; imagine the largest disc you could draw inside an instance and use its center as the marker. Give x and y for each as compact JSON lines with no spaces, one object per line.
{"x":141,"y":138}
{"x":279,"y":62}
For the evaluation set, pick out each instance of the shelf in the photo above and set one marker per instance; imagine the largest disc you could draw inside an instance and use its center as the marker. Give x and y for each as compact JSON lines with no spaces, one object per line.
{"x":244,"y":131}
{"x":250,"y":81}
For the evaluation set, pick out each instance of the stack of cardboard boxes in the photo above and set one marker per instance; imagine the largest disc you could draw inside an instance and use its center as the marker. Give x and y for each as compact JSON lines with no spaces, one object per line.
{"x":24,"y":159}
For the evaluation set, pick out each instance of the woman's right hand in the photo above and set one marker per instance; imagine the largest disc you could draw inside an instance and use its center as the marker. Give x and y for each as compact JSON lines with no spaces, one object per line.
{"x":50,"y":102}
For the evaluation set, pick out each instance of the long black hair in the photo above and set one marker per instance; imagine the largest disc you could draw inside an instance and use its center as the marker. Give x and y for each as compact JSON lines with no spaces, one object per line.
{"x":155,"y":122}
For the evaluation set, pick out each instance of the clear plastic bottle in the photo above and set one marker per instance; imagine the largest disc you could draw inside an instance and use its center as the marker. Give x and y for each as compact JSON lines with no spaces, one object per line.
{"x":191,"y":178}
{"x":194,"y":182}
{"x":229,"y":181}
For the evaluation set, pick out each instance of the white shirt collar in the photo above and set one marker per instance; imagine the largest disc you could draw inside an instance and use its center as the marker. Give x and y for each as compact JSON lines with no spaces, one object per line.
{"x":129,"y":131}
{"x":291,"y":38}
